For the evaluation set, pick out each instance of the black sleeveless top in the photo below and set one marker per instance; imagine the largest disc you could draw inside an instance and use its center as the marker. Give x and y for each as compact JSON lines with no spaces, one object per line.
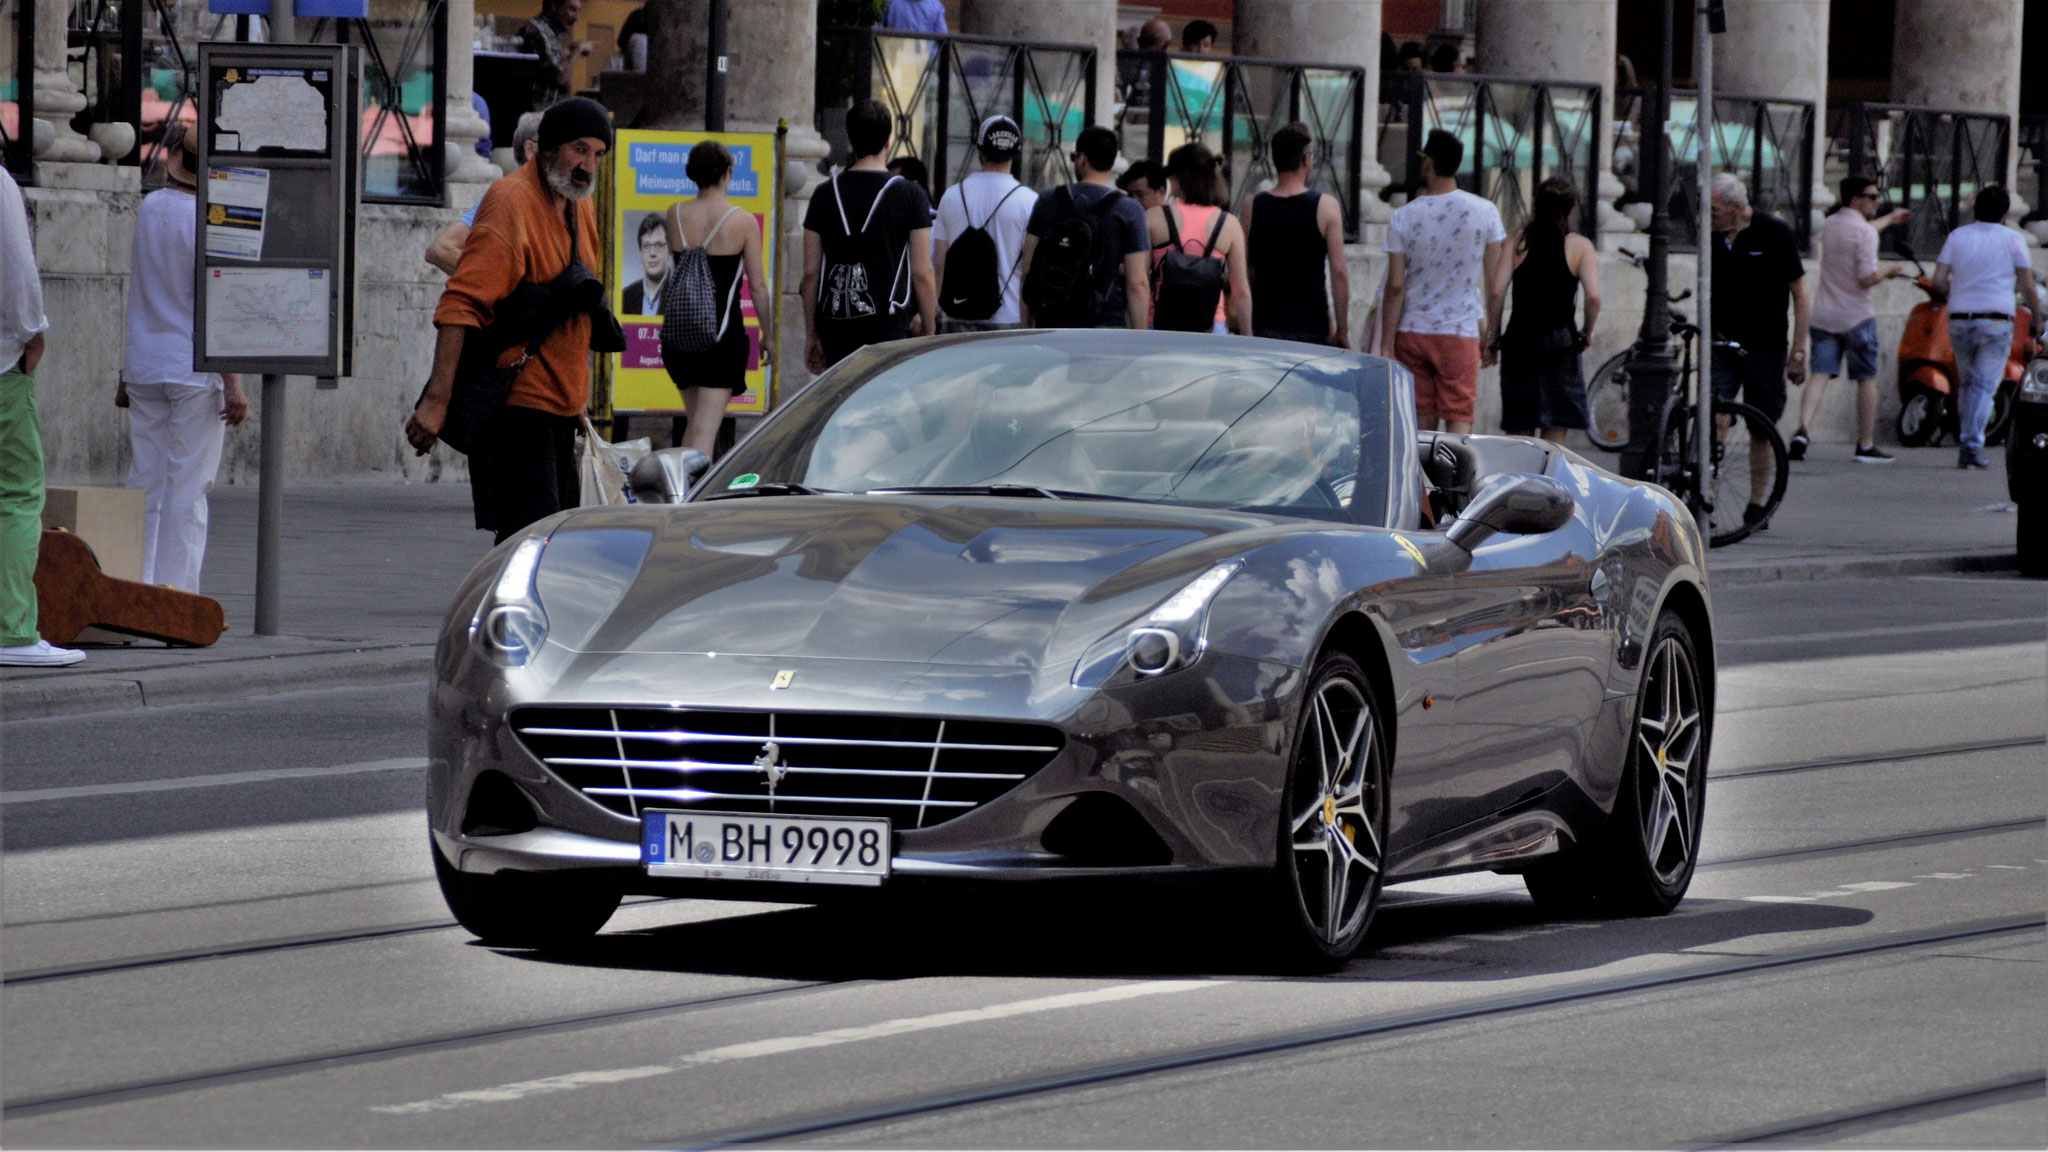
{"x":1546,"y":293}
{"x":1285,"y":254}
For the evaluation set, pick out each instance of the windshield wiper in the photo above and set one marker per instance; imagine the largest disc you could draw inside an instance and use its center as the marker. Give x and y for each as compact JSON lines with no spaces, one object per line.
{"x":1031,"y":490}
{"x":772,"y":488}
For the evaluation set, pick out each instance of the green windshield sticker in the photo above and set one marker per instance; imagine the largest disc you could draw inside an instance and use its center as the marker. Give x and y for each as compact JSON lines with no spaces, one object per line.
{"x":745,"y":480}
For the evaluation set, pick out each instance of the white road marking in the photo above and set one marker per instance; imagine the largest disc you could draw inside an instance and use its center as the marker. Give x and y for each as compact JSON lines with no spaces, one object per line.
{"x":2008,"y":867}
{"x":1878,"y":885}
{"x":751,"y":1049}
{"x":1779,"y":899}
{"x":211,"y":780}
{"x":1945,"y":876}
{"x":1898,"y":630}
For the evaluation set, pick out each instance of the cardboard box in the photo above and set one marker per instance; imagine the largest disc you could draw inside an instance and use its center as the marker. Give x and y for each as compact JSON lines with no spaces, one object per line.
{"x":107,"y":519}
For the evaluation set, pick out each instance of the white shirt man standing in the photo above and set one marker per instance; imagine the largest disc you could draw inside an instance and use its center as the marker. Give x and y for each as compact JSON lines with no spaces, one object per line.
{"x":177,"y":418}
{"x":992,"y":201}
{"x":1979,"y":267}
{"x":1442,"y":249}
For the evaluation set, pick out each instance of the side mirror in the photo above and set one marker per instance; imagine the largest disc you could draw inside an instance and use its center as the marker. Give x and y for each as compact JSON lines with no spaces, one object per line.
{"x":1517,"y":503}
{"x":665,"y":477}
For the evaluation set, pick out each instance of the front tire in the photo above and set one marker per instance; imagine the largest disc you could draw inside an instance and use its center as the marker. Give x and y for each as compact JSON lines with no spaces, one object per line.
{"x":1333,"y":816}
{"x":1919,"y":417}
{"x":2031,"y":539}
{"x":1641,"y":862}
{"x":526,"y":909}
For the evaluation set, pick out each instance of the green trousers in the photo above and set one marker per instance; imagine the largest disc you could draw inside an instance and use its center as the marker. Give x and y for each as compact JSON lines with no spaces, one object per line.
{"x":21,"y":507}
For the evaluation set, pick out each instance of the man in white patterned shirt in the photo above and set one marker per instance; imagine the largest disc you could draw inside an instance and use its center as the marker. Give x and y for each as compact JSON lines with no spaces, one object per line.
{"x":1442,"y":247}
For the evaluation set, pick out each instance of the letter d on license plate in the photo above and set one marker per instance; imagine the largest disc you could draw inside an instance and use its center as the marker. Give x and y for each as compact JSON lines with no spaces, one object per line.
{"x":788,"y":849}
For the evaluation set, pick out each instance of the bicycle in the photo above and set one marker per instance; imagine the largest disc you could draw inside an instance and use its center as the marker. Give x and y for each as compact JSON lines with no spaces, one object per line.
{"x":1741,"y":434}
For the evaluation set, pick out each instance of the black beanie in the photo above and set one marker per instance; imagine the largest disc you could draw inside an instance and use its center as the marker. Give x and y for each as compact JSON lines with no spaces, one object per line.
{"x":573,"y":119}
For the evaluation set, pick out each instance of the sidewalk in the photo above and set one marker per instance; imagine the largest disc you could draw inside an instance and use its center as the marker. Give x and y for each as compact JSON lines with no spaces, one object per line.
{"x":369,"y":568}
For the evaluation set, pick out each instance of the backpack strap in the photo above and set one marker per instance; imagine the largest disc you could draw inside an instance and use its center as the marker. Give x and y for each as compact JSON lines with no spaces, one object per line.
{"x":840,"y":202}
{"x":990,"y":218}
{"x":1171,"y":211}
{"x":879,"y":197}
{"x":1215,"y":231}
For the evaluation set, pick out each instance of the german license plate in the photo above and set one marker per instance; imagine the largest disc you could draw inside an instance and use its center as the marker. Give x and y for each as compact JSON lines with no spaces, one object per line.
{"x":787,"y":849}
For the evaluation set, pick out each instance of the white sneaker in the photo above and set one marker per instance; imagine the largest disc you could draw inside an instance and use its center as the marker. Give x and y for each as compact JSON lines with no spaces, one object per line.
{"x":41,"y":654}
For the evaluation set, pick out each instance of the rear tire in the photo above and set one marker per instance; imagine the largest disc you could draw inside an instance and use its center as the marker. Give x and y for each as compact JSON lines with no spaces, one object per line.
{"x":1607,"y":404}
{"x":526,"y":909}
{"x":1919,"y":417}
{"x":1641,"y":861}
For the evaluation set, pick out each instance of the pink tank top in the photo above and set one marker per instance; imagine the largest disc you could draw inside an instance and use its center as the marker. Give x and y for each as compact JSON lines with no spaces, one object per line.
{"x":1195,"y":222}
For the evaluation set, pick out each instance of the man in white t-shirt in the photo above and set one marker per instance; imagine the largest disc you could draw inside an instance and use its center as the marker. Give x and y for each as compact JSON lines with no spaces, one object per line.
{"x":993,"y":201}
{"x":1979,"y":267}
{"x":1442,"y":247}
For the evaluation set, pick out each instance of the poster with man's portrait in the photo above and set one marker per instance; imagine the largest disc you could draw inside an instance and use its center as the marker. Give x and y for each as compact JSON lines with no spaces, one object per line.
{"x":648,"y":259}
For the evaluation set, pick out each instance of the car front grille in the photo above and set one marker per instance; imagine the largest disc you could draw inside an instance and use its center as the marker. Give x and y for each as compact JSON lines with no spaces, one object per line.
{"x":916,"y":771}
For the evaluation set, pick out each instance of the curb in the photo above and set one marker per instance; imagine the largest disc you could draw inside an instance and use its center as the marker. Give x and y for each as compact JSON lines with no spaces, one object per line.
{"x":1861,"y":568}
{"x":28,"y":697}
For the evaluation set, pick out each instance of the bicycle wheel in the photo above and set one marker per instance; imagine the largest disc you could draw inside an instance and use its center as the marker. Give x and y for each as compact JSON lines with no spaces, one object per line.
{"x":1607,"y":403}
{"x":1728,"y":483}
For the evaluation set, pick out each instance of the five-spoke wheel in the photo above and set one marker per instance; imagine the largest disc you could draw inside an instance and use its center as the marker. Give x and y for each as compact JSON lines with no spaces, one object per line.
{"x":1642,"y":861}
{"x":1336,"y":804}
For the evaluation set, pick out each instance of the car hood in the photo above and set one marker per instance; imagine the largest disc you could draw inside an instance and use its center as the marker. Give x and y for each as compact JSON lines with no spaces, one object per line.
{"x":994,"y":582}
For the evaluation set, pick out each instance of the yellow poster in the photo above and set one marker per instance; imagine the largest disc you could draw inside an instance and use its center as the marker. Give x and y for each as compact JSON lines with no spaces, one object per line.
{"x":648,"y":177}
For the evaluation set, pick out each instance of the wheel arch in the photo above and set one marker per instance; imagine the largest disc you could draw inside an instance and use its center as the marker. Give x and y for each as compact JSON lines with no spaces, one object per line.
{"x":1356,"y":635}
{"x":1689,"y":603}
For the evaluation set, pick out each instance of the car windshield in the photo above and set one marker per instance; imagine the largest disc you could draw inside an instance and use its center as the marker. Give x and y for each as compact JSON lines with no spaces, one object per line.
{"x":1067,"y":415}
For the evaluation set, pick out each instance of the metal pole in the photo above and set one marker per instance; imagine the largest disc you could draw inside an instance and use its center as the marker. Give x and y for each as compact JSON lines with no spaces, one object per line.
{"x":1703,"y":438}
{"x":714,"y":69}
{"x":270,"y":478}
{"x":1651,"y":364}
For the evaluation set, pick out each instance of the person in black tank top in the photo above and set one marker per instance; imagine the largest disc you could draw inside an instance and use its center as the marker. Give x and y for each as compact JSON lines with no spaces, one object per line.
{"x":1542,"y":386}
{"x":1293,"y":233}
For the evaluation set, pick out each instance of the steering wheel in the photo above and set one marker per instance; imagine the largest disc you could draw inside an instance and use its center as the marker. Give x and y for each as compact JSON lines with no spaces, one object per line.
{"x":1216,"y":471}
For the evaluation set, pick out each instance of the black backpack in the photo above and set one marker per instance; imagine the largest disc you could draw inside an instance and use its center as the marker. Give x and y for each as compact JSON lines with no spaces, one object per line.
{"x":1186,"y":288}
{"x":844,"y":291}
{"x":693,"y":318}
{"x":1074,"y":272}
{"x":974,"y":281}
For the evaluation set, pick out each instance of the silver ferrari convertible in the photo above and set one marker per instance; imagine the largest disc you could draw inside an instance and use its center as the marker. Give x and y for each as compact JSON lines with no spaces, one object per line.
{"x":1030,"y":605}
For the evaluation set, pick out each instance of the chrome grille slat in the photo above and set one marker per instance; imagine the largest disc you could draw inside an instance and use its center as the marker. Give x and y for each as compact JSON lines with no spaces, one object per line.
{"x":722,"y":738}
{"x":917,"y":771}
{"x":794,"y":769}
{"x":698,"y":794}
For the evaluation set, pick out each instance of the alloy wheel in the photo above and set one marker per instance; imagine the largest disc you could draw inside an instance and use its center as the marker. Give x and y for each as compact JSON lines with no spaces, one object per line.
{"x":1335,"y":830}
{"x":1668,"y":733}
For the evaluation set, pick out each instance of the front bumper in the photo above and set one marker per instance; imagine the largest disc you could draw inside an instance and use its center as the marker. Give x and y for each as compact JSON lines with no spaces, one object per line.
{"x":1193,"y":762}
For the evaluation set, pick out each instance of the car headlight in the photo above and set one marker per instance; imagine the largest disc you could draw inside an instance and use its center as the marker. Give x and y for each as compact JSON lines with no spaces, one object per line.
{"x":2034,"y":382}
{"x":510,"y":625}
{"x":1166,"y":639}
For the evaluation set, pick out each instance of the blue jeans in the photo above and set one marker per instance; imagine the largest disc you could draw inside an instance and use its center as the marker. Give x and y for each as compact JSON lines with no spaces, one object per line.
{"x":1981,"y":348}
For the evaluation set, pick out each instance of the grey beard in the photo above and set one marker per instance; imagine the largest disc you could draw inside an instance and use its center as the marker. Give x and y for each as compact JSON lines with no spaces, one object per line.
{"x":560,"y":184}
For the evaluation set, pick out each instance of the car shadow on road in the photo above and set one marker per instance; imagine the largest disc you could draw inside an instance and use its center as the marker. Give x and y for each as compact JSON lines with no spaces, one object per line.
{"x":1139,"y":933}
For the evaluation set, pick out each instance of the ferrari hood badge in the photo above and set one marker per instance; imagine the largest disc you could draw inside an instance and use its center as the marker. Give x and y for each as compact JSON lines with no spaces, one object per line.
{"x":782,"y":678}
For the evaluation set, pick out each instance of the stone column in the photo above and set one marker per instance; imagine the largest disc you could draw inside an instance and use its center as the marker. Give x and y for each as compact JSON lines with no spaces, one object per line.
{"x":1962,"y":54}
{"x":1779,"y":49}
{"x":57,"y":98}
{"x":465,"y":127}
{"x":1333,"y":32}
{"x":771,"y":74}
{"x":1055,"y":22}
{"x":1571,"y":40}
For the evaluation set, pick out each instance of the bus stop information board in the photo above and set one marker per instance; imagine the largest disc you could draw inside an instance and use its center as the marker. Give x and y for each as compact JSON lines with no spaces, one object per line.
{"x":647,"y":177}
{"x":274,"y":289}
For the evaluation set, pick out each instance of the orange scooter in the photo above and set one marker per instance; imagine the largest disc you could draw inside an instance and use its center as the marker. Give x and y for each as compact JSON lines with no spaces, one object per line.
{"x":1927,"y":370}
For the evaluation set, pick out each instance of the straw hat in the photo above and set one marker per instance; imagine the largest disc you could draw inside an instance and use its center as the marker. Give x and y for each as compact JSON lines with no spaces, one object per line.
{"x":180,"y":148}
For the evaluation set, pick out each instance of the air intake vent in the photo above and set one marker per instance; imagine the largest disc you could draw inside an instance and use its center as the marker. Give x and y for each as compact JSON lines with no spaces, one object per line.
{"x":916,"y":771}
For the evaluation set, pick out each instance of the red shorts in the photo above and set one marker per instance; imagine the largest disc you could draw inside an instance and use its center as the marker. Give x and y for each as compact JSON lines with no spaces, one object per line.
{"x":1446,"y":372}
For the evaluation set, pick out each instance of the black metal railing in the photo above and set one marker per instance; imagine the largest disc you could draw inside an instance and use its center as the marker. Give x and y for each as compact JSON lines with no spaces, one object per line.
{"x":1233,"y":105}
{"x":1768,"y":143}
{"x":1929,"y":160}
{"x":940,"y":88}
{"x":138,"y":69}
{"x":18,"y":94}
{"x":1517,"y":133}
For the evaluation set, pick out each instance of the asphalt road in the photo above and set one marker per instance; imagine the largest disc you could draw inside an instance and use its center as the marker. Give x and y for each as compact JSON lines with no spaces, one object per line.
{"x":219,"y":928}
